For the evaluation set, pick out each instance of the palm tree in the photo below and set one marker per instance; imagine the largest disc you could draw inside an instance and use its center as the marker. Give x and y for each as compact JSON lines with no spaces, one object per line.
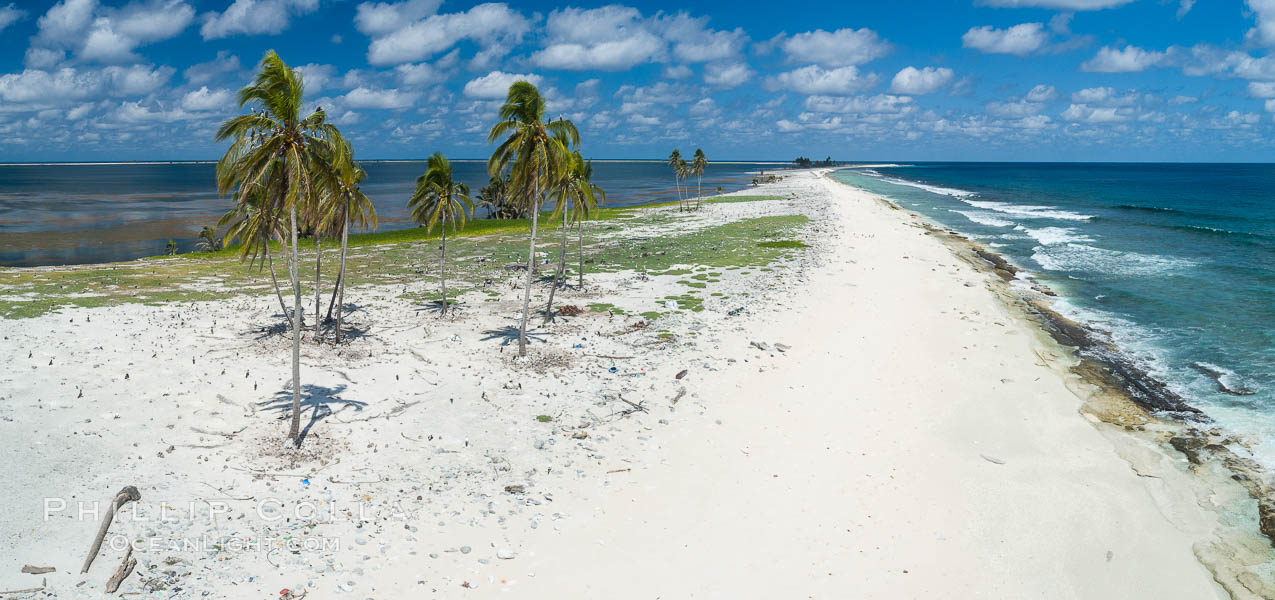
{"x":208,"y":241}
{"x":251,"y":222}
{"x":278,"y":150}
{"x":698,"y":164}
{"x":683,"y":171}
{"x":442,"y":201}
{"x":568,"y":188}
{"x":533,"y":151}
{"x":585,"y":199}
{"x":674,"y":160}
{"x":349,"y":203}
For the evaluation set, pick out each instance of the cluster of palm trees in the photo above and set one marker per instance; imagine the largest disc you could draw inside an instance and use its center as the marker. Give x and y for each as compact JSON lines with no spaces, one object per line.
{"x":292,"y":176}
{"x":684,"y":170}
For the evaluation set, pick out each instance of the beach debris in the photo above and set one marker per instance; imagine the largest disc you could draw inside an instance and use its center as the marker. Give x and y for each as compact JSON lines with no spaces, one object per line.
{"x":34,"y":570}
{"x":580,"y":435}
{"x":505,"y":554}
{"x":466,"y":549}
{"x":515,"y":488}
{"x":782,"y":347}
{"x":763,"y":346}
{"x":681,"y":392}
{"x":127,"y":494}
{"x":570,"y":310}
{"x":681,"y":374}
{"x":992,"y":459}
{"x":125,"y":569}
{"x":735,"y":311}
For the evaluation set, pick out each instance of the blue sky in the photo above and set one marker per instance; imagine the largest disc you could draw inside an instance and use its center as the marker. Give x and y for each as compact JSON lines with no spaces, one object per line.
{"x":961,"y":80}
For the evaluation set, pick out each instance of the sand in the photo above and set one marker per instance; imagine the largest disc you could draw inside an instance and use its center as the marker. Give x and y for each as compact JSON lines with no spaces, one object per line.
{"x":914,"y":438}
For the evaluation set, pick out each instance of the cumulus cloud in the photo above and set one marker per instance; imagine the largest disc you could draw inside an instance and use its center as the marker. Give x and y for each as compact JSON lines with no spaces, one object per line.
{"x":1104,"y":96}
{"x":204,"y":99}
{"x":494,"y":27}
{"x":1042,"y":93}
{"x":34,"y":86}
{"x":1081,"y":113}
{"x":1264,"y":13}
{"x":727,"y":75}
{"x":878,"y":104}
{"x":105,"y":34}
{"x":379,"y":18}
{"x":420,"y":74}
{"x":9,"y":15}
{"x":916,"y":82}
{"x":843,"y":47}
{"x":814,"y":79}
{"x":254,"y":17}
{"x":616,"y":38}
{"x":201,"y":73}
{"x":362,"y":97}
{"x":495,"y":85}
{"x":1014,"y":109}
{"x":1019,"y":40}
{"x":1131,"y":59}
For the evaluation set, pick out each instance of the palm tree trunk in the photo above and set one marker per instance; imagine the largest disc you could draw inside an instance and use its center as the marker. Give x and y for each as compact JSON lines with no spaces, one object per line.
{"x":340,"y":277}
{"x":318,"y":262}
{"x":699,"y":191}
{"x":562,"y":264}
{"x":275,"y":278}
{"x":442,"y":267}
{"x":531,"y":266}
{"x":294,"y":431}
{"x":580,"y":239}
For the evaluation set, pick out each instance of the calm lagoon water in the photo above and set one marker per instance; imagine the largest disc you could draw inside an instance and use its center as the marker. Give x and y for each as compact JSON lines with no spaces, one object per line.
{"x":53,"y":214}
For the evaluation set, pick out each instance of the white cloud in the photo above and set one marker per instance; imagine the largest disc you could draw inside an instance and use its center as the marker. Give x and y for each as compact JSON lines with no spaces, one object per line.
{"x":362,"y":97}
{"x":916,"y":82}
{"x":9,"y":15}
{"x":1019,"y":40}
{"x":65,"y":22}
{"x":1042,"y":93}
{"x":817,"y":80}
{"x":134,"y":112}
{"x":419,"y":74}
{"x":1081,"y":113}
{"x":105,"y":34}
{"x":494,"y":27}
{"x":1016,"y":109}
{"x":727,"y":75}
{"x":1184,"y":7}
{"x":201,"y":73}
{"x":1264,"y":13}
{"x":34,"y":86}
{"x":694,"y":42}
{"x":204,"y":99}
{"x":315,"y":76}
{"x":604,"y":56}
{"x":677,"y":72}
{"x":1261,"y":89}
{"x":843,"y":47}
{"x":1058,"y":4}
{"x":379,"y":18}
{"x":1129,"y":60}
{"x":878,"y":104}
{"x":495,"y":85}
{"x":1104,"y":96}
{"x":79,"y":112}
{"x":706,"y":107}
{"x":254,"y":17}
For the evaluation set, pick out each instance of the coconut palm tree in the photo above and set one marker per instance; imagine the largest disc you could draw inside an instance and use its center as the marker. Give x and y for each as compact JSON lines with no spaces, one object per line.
{"x":576,"y":188}
{"x":252,"y":223}
{"x":698,"y":164}
{"x":347,"y":204}
{"x":277,"y":150}
{"x":440,"y":201}
{"x":533,"y":151}
{"x":674,"y":162}
{"x":683,"y":171}
{"x":208,"y":241}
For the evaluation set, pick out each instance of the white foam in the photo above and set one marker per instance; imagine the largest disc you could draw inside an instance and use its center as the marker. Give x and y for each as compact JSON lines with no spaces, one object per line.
{"x":933,"y":189}
{"x":1080,"y":257}
{"x":1055,"y":235}
{"x":1028,"y":211}
{"x":984,"y":218}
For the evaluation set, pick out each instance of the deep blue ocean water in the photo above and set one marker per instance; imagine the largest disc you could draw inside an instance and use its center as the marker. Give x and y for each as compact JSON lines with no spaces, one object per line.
{"x":1177,"y":261}
{"x":52,"y":214}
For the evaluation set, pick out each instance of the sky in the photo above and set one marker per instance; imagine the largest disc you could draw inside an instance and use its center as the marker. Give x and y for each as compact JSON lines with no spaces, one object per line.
{"x":1039,"y":80}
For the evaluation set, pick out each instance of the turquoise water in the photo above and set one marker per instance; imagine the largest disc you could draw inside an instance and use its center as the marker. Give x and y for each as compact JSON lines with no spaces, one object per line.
{"x":1175,"y":261}
{"x":55,"y":214}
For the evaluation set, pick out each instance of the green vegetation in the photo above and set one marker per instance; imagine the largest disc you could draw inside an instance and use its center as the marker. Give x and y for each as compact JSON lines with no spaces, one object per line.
{"x":783,"y":244}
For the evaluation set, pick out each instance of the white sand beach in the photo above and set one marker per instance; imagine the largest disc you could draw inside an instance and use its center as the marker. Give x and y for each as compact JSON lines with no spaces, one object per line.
{"x":875,"y":423}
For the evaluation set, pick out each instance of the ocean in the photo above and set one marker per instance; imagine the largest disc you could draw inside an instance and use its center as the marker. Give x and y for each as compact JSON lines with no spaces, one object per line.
{"x":58,"y":214}
{"x":1175,"y":261}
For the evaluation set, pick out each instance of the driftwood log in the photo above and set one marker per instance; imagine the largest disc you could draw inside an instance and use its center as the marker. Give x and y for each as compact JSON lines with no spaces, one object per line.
{"x":125,"y":495}
{"x":122,"y":573}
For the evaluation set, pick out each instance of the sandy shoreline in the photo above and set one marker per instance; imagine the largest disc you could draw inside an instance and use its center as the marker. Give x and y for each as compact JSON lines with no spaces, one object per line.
{"x":918,"y":437}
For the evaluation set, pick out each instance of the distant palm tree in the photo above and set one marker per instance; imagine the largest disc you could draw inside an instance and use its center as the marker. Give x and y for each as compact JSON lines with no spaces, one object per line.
{"x":674,"y":162}
{"x":533,"y":152}
{"x":208,"y":240}
{"x":348,"y":203}
{"x":698,"y":164}
{"x":170,"y":248}
{"x":572,"y":189}
{"x":439,"y":200}
{"x":586,"y":204}
{"x":287,"y":155}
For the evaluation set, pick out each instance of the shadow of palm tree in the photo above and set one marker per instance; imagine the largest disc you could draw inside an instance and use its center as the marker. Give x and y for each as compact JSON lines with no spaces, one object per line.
{"x":509,"y":334}
{"x":314,"y":397}
{"x":436,"y":306}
